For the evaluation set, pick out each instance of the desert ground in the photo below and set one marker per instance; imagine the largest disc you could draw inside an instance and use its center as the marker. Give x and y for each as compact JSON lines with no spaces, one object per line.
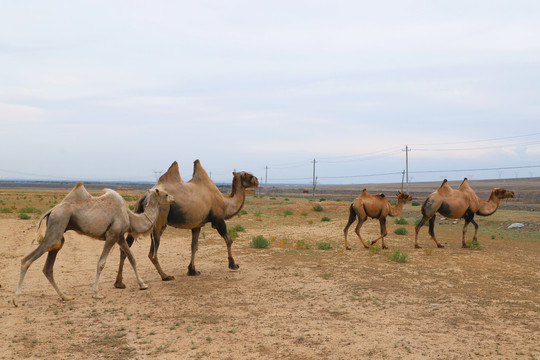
{"x":302,"y":297}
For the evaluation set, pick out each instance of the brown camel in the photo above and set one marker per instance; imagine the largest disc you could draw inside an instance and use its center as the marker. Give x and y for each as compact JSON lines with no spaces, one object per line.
{"x":376,"y":207}
{"x":461,"y":203}
{"x":197,"y":202}
{"x":106,"y":217}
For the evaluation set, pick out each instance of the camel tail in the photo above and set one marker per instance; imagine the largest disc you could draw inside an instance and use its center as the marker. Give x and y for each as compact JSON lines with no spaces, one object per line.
{"x":426,"y":206}
{"x":39,"y":230}
{"x":352,"y":217}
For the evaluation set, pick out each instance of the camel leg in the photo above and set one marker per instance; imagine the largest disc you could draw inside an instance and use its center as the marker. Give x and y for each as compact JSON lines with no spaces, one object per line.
{"x":152,"y":254}
{"x":432,"y":231}
{"x":49,"y":243}
{"x":109,"y":243}
{"x":119,"y":284}
{"x":417,"y":230}
{"x":382,"y":223}
{"x":124,"y":246}
{"x":48,"y":270}
{"x":222,"y":230}
{"x":357,"y":231}
{"x":463,"y":243}
{"x":194,"y":247}
{"x":352,"y":218}
{"x":469,"y":216}
{"x":475,"y":230}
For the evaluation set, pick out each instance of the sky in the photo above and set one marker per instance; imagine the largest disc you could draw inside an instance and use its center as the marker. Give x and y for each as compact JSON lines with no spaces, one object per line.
{"x":118,"y":90}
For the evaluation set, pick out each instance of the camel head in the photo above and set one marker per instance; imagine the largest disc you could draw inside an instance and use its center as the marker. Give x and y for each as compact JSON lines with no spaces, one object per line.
{"x":163,"y":198}
{"x":502,"y":193}
{"x":246,"y":179}
{"x":403,"y":196}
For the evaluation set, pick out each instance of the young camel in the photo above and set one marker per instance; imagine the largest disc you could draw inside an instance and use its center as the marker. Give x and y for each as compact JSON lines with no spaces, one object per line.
{"x":376,"y":207}
{"x":106,"y":217}
{"x":461,"y":203}
{"x":197,"y":202}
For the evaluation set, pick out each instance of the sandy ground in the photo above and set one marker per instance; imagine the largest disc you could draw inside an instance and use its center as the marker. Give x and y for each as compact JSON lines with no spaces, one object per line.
{"x":283,"y":302}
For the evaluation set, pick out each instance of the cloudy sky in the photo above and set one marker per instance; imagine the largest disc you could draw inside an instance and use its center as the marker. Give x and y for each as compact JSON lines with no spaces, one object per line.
{"x":115,"y":90}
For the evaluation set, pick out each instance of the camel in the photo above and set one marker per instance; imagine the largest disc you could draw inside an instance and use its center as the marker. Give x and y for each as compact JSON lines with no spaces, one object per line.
{"x":461,"y":203}
{"x":376,"y":207}
{"x":197,"y":202}
{"x":106,"y":217}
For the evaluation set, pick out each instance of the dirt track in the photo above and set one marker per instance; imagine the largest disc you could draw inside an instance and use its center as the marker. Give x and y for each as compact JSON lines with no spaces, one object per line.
{"x":284,"y":302}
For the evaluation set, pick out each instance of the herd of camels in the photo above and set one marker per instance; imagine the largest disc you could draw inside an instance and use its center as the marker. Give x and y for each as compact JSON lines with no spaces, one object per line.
{"x":192,"y":204}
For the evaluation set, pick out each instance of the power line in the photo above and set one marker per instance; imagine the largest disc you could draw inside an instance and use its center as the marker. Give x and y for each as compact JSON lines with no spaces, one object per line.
{"x":469,"y":141}
{"x":483,"y":147}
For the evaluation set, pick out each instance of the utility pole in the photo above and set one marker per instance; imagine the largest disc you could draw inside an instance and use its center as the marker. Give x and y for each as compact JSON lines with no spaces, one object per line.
{"x":402,"y":177}
{"x":407,"y":165}
{"x":266,"y":177}
{"x":314,"y":178}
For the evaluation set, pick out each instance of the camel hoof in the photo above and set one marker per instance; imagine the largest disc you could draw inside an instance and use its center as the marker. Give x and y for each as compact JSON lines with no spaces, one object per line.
{"x":348,"y":248}
{"x":417,"y":247}
{"x":465,"y":246}
{"x":67,"y":298}
{"x":234,"y":267}
{"x":98,"y":296}
{"x":440,"y":246}
{"x":385,"y":247}
{"x":14,"y":302}
{"x":192,"y":272}
{"x":143,"y":287}
{"x":119,"y":285}
{"x":168,"y":278}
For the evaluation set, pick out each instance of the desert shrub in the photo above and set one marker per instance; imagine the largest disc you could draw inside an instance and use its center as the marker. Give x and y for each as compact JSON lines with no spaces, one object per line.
{"x":324,"y":246}
{"x":239,"y":228}
{"x":24,"y":216}
{"x":397,"y":255}
{"x":6,"y":210}
{"x":373,"y":250}
{"x":288,"y":212}
{"x":29,"y":210}
{"x":242,"y":212}
{"x":338,"y":200}
{"x":304,"y":213}
{"x":317,"y":207}
{"x":401,"y":221}
{"x":393,"y":203}
{"x":287,"y":199}
{"x":401,"y":231}
{"x":301,"y":244}
{"x":259,"y":242}
{"x":325,"y":218}
{"x":428,"y":251}
{"x":131,"y":207}
{"x":232,"y":233}
{"x":272,"y":198}
{"x":322,"y":199}
{"x":257,"y":213}
{"x":474,"y":245}
{"x":415,"y":203}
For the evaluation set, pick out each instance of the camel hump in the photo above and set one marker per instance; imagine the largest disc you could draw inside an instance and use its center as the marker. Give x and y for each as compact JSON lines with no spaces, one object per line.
{"x":199,"y":174}
{"x":78,"y":193}
{"x":171,"y":176}
{"x":445,"y":188}
{"x":380,"y":195}
{"x":464,"y":184}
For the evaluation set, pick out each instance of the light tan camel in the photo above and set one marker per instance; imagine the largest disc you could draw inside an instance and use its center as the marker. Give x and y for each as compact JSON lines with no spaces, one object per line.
{"x":106,"y":217}
{"x":197,"y":202}
{"x":461,"y":203}
{"x":376,"y":207}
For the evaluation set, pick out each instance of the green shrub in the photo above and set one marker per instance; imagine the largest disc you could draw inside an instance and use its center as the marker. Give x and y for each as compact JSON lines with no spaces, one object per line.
{"x":6,"y":210}
{"x":29,"y":210}
{"x":401,"y":231}
{"x":259,"y":242}
{"x":131,"y":207}
{"x":232,"y":233}
{"x":325,"y":218}
{"x":301,"y":244}
{"x":317,"y":207}
{"x":474,"y":245}
{"x":257,"y":213}
{"x":393,"y":203}
{"x":288,"y":212}
{"x":322,"y":199}
{"x":397,"y":255}
{"x":272,"y":198}
{"x":239,"y":228}
{"x":374,"y":249}
{"x":287,"y":199}
{"x":24,"y":216}
{"x":415,"y":203}
{"x":324,"y":246}
{"x":401,"y":221}
{"x":242,"y":212}
{"x":304,"y":213}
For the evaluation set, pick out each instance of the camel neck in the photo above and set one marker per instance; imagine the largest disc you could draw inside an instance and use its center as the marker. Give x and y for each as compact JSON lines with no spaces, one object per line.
{"x":235,"y":201}
{"x":487,"y":208}
{"x":395,"y":210}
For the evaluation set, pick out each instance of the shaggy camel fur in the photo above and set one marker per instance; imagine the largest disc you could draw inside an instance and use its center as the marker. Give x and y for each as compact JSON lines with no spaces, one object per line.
{"x":106,"y":217}
{"x":461,"y":203}
{"x":197,"y":202}
{"x":376,"y":207}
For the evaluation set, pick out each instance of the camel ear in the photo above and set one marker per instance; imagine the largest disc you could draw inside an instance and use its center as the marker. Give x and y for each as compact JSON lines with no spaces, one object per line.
{"x":234,"y":173}
{"x":157,"y":191}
